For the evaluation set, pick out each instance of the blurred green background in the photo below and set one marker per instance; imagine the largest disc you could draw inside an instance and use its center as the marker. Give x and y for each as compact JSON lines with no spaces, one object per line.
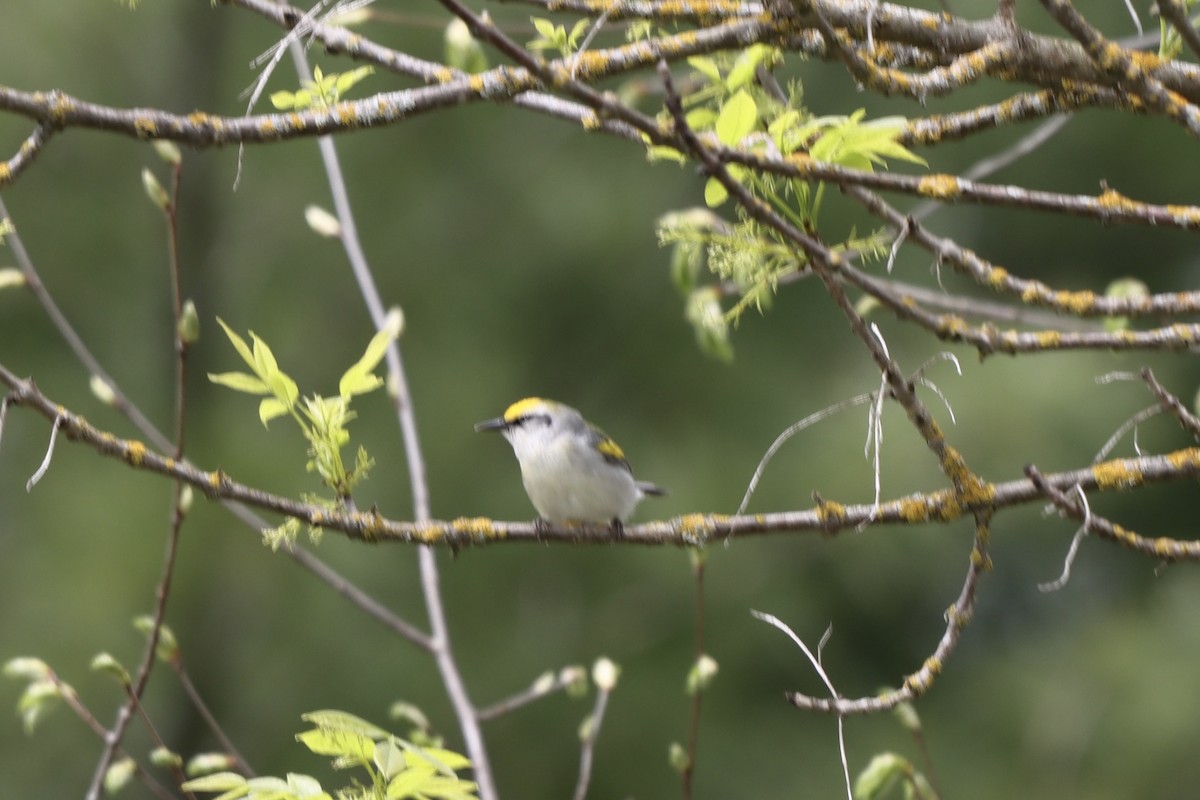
{"x":522,"y":250}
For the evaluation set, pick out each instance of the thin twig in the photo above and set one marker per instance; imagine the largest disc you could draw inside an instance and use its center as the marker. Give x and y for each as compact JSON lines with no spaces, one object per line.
{"x":439,"y":638}
{"x":45,"y":465}
{"x":209,"y":719}
{"x":588,"y":745}
{"x":1061,"y":581}
{"x":693,"y":738}
{"x":540,"y":688}
{"x":775,"y":622}
{"x":163,"y":592}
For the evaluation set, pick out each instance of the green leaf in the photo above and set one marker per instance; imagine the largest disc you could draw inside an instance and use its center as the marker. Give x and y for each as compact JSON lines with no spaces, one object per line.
{"x":879,"y":776}
{"x":168,"y":647}
{"x":118,"y":774}
{"x":664,"y":153}
{"x":306,"y":786}
{"x":335,"y":720}
{"x":677,"y":757}
{"x":544,"y":27}
{"x":701,"y":118}
{"x":264,"y":359}
{"x":356,"y":382}
{"x":304,"y":98}
{"x":342,"y":744}
{"x":715,"y":193}
{"x":448,"y":788}
{"x":346,"y":80}
{"x":737,"y":118}
{"x":269,"y":409}
{"x":1170,"y":43}
{"x":576,"y":31}
{"x":162,"y":757}
{"x":268,"y":787}
{"x":283,"y":100}
{"x":781,"y":126}
{"x":104,"y":662}
{"x":442,"y":759}
{"x":239,"y":344}
{"x":240,"y":382}
{"x":709,"y":323}
{"x":410,"y":782}
{"x":203,"y":763}
{"x":359,"y":378}
{"x":10,"y":276}
{"x":706,"y":67}
{"x":217,"y":782}
{"x":745,"y":65}
{"x":389,"y":758}
{"x":27,"y":668}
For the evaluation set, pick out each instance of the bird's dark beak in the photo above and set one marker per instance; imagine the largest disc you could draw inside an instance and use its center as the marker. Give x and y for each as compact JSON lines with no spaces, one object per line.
{"x":497,"y":424}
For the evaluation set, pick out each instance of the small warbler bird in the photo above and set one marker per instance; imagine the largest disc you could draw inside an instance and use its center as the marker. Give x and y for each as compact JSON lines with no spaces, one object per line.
{"x":571,"y":470}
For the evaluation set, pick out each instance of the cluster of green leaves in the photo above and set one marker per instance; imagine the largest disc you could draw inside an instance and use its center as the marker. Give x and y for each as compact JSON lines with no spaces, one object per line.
{"x":322,"y":91}
{"x":1170,"y":43}
{"x":417,"y":767}
{"x":45,"y":691}
{"x":556,"y":37}
{"x":395,"y":768}
{"x":322,"y":420}
{"x":732,"y":108}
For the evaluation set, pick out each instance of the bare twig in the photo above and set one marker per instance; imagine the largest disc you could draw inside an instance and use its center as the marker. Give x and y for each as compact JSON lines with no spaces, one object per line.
{"x":117,"y":732}
{"x":591,"y":726}
{"x":439,"y":639}
{"x":775,"y":622}
{"x":45,"y":465}
{"x":1061,"y":581}
{"x":693,"y":737}
{"x":543,"y":687}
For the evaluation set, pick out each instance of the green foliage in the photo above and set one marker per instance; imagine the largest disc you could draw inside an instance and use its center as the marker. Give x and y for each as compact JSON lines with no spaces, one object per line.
{"x":106,"y":662}
{"x":1170,"y":43}
{"x":155,"y":191}
{"x":208,"y":763}
{"x":746,"y":256}
{"x":168,"y":759}
{"x":118,"y":775}
{"x":188,"y":326}
{"x":42,"y":692}
{"x":395,"y":769}
{"x":322,"y":91}
{"x":167,"y":648}
{"x":888,"y":772}
{"x":322,"y":420}
{"x":677,"y":757}
{"x":701,"y":675}
{"x":11,"y":276}
{"x":555,"y":37}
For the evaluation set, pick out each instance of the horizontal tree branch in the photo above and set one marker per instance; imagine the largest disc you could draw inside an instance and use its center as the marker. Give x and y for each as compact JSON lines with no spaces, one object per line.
{"x":691,"y":530}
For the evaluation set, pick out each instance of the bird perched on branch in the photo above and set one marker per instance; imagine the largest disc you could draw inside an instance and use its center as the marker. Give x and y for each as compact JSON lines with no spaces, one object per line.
{"x":572,"y":471}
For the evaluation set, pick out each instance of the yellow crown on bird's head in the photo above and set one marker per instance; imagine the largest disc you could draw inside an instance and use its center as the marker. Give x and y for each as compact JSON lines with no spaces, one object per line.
{"x":523,"y":407}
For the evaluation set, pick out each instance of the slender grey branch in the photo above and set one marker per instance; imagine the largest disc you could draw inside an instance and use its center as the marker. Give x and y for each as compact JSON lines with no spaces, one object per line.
{"x":439,"y":639}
